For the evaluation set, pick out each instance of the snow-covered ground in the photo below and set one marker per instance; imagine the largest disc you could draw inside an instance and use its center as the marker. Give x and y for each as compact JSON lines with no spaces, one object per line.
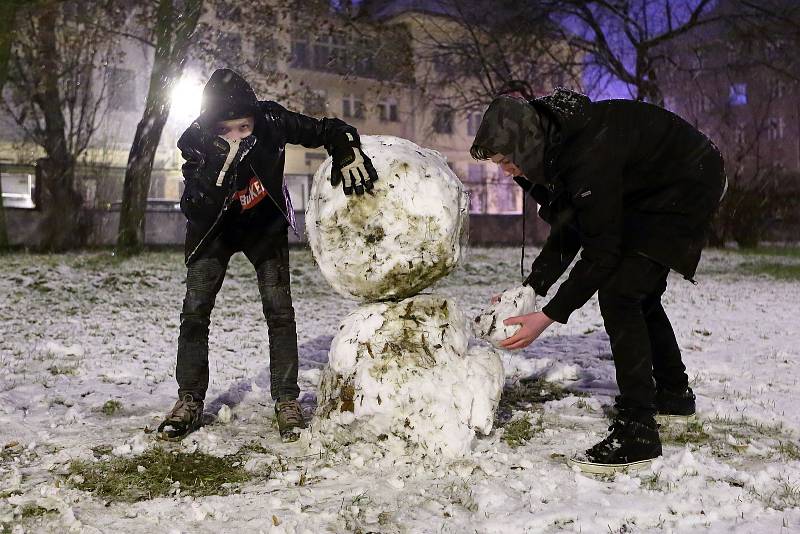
{"x":78,"y":331}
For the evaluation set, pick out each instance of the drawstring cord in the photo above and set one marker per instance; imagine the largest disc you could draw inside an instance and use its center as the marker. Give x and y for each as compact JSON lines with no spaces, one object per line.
{"x":522,"y":259}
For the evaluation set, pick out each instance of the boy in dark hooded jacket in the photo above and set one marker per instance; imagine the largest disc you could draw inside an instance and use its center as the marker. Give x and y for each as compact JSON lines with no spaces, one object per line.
{"x":236,"y":199}
{"x":635,"y":187}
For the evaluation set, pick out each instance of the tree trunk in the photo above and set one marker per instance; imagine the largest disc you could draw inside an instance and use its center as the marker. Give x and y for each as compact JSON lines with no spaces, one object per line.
{"x":62,"y":225}
{"x":61,"y":204}
{"x":172,"y":43}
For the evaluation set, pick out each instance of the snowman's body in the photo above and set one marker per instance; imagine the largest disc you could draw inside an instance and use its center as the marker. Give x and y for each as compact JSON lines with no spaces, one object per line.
{"x":400,"y":365}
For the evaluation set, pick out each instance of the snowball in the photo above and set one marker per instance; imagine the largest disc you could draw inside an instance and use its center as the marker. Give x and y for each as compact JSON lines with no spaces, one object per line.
{"x":392,"y":244}
{"x":513,"y":302}
{"x":225,"y":414}
{"x":404,"y":369}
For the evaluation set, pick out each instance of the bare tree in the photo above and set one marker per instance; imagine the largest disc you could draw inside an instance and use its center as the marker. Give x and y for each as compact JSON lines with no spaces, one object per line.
{"x":775,"y":25}
{"x":57,"y":103}
{"x":467,"y":51}
{"x":624,"y":39}
{"x":172,"y":25}
{"x":730,"y":92}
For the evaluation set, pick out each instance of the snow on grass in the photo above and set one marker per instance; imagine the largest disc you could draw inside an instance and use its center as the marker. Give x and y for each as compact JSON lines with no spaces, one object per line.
{"x":87,"y":349}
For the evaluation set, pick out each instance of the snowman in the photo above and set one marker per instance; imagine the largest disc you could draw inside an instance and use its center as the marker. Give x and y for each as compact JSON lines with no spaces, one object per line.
{"x":401,"y":364}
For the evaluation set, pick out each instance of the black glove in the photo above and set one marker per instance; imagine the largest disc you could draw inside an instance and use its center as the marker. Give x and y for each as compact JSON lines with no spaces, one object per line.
{"x":351,"y":167}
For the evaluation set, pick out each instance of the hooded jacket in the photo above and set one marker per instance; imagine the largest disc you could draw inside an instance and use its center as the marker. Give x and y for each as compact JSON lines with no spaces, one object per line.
{"x":619,"y":177}
{"x":252,"y":196}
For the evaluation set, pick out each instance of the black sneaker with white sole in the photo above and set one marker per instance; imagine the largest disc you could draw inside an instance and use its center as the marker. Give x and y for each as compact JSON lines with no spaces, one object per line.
{"x":630,"y":445}
{"x":675,"y":405}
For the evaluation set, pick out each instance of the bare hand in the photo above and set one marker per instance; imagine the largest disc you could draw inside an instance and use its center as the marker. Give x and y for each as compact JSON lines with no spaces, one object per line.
{"x":533,"y":324}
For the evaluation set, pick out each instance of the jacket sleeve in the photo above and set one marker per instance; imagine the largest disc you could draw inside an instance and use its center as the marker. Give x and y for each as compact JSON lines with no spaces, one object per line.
{"x":597,"y":197}
{"x":559,"y":250}
{"x":201,"y":201}
{"x":307,"y":131}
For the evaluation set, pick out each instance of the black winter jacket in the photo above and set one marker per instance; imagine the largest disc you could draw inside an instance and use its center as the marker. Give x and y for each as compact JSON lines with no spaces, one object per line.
{"x":254,"y":196}
{"x":622,"y":177}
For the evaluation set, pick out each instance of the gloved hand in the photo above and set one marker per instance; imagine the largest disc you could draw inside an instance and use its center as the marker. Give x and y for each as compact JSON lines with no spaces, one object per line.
{"x":207,"y":157}
{"x":351,"y":167}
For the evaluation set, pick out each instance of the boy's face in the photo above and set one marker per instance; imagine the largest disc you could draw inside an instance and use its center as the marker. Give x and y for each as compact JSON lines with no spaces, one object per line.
{"x":508,"y":167}
{"x":235,"y":129}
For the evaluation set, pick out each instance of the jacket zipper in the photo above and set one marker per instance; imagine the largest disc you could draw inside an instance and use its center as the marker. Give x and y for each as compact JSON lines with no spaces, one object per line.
{"x":285,"y":214}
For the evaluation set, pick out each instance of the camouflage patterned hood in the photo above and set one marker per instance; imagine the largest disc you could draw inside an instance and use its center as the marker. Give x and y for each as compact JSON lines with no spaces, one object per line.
{"x":513,"y":127}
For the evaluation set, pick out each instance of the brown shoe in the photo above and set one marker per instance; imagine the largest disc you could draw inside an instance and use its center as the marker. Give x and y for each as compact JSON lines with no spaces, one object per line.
{"x":289,"y":415}
{"x":186,"y":417}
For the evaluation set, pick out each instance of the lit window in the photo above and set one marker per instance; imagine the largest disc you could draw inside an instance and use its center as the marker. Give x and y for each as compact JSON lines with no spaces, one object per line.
{"x":738,"y":94}
{"x":19,"y":190}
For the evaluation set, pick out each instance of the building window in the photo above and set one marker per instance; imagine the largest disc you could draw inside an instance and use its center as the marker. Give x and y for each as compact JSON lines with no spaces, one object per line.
{"x":388,"y":110}
{"x":777,"y":88}
{"x":19,"y":190}
{"x":352,"y":107}
{"x":299,"y":59}
{"x":443,"y":120}
{"x":315,"y":102}
{"x":331,"y":53}
{"x":737,"y":95}
{"x":121,"y":89}
{"x":775,"y":127}
{"x":473,"y":121}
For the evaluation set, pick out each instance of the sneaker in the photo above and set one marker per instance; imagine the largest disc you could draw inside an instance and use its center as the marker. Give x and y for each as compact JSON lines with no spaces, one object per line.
{"x":289,"y":415}
{"x":631,"y":445}
{"x":672,"y":404}
{"x":186,"y":417}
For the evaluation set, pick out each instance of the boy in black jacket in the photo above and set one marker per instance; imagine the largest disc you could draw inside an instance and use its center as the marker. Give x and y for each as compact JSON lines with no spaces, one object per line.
{"x":236,"y":199}
{"x":635,"y":187}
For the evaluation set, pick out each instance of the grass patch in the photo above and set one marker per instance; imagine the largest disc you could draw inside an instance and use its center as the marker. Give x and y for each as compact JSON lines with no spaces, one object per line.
{"x":788,"y":450}
{"x":519,"y":432}
{"x":781,"y":271}
{"x":32,"y":510}
{"x":787,"y":252}
{"x":785,"y":497}
{"x":692,"y":431}
{"x":527,"y":393}
{"x":111,"y":407}
{"x":159,"y":473}
{"x":62,"y":370}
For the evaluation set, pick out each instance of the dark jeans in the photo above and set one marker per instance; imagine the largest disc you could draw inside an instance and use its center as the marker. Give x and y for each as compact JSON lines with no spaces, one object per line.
{"x":269,"y":254}
{"x":646,"y":354}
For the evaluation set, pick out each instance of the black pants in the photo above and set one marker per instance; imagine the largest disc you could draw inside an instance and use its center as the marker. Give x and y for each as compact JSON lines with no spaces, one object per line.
{"x":646,"y":354}
{"x":269,"y":254}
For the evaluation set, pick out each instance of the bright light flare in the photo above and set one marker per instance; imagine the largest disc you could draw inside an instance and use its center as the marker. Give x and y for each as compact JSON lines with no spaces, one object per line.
{"x":186,"y":97}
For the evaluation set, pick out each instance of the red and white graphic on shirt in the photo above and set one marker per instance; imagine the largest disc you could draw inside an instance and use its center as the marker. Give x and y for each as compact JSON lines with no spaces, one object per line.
{"x":252,"y":194}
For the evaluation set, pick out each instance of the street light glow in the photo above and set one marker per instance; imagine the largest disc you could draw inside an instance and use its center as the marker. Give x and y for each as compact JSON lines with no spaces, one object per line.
{"x":186,"y":97}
